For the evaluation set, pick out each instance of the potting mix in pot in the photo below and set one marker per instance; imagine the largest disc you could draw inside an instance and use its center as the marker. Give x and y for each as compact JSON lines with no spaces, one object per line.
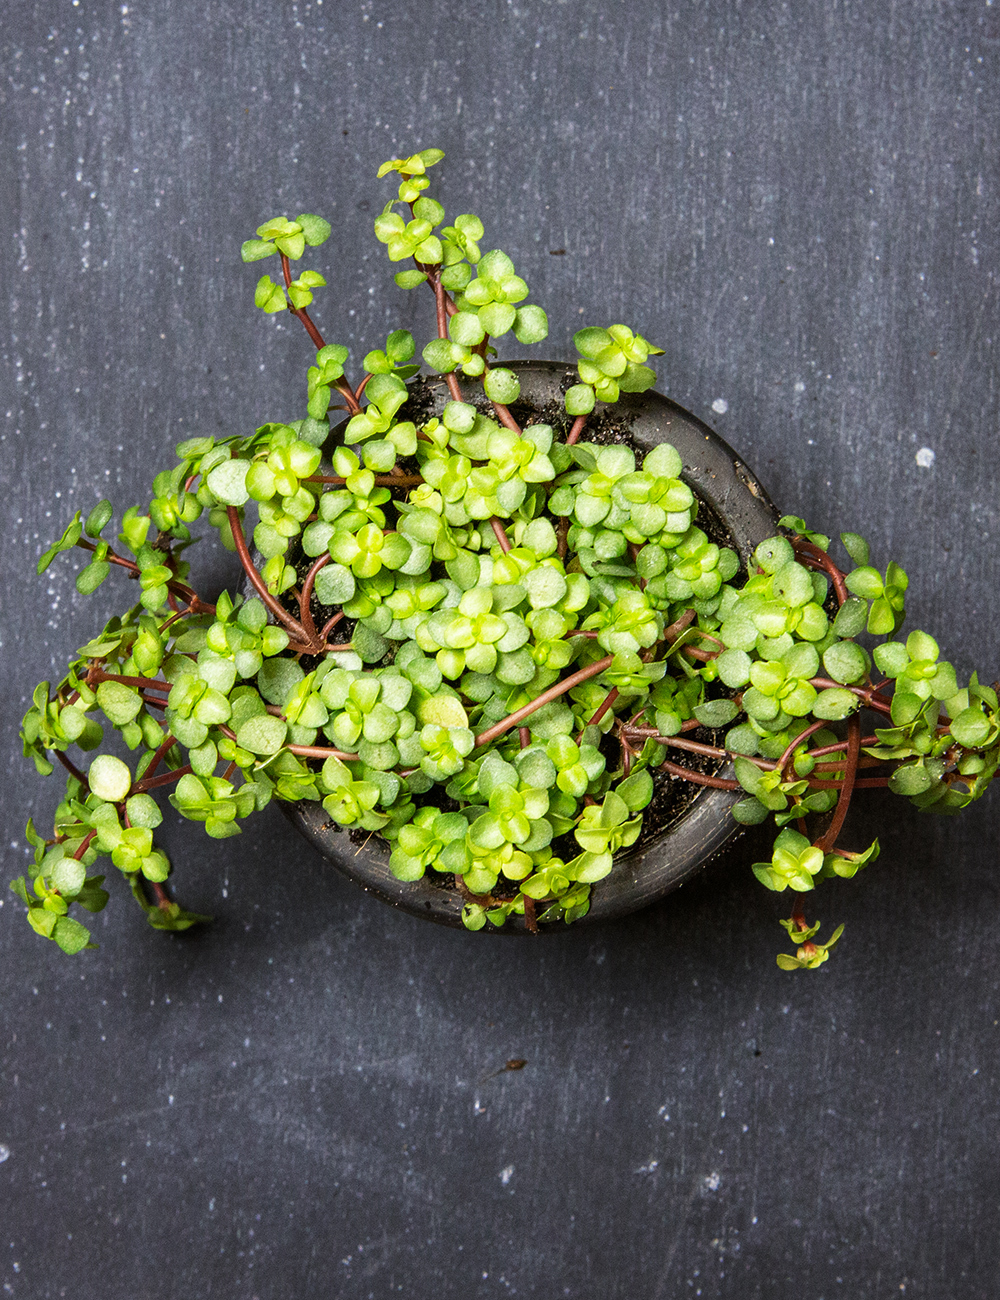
{"x":487,"y":644}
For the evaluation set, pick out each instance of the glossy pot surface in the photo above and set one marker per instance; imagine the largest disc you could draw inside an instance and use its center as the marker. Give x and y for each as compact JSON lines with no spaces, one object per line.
{"x":645,"y":873}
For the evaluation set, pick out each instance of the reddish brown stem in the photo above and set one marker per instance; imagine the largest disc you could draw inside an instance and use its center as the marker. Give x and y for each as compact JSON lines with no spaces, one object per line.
{"x":695,"y":746}
{"x":817,"y":558}
{"x":441,"y":301}
{"x":866,"y":694}
{"x":671,"y":633}
{"x":342,"y":386}
{"x":181,"y":613}
{"x":699,"y":778}
{"x":602,"y":709}
{"x":524,"y":733}
{"x":141,"y":787}
{"x":317,"y":751}
{"x":562,"y":531}
{"x":530,"y":920}
{"x":71,"y":768}
{"x":187,"y":594}
{"x":161,"y":896}
{"x":827,"y":841}
{"x":96,"y":675}
{"x":841,"y":744}
{"x":305,"y":595}
{"x":705,"y":656}
{"x":257,"y":582}
{"x":794,"y":744}
{"x":484,"y":900}
{"x":84,"y":846}
{"x":866,"y":783}
{"x":560,"y":688}
{"x":161,"y":753}
{"x":576,"y":429}
{"x":501,"y":534}
{"x":329,"y":625}
{"x":505,"y":418}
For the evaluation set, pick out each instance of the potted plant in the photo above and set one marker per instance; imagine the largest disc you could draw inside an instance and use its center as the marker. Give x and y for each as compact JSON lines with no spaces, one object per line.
{"x":516,"y":643}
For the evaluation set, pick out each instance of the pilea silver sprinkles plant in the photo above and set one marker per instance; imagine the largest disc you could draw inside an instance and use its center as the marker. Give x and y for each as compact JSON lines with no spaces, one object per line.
{"x":522,"y":623}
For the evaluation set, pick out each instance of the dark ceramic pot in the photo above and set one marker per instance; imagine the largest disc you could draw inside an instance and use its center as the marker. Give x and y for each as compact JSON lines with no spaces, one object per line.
{"x":737,"y":505}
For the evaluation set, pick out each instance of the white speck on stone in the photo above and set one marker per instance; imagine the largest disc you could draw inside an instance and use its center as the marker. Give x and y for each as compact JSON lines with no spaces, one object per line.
{"x":925,"y":457}
{"x":799,"y":386}
{"x":4,"y":1154}
{"x":648,"y":1169}
{"x":506,"y":1174}
{"x":720,"y":406}
{"x":713,"y":1182}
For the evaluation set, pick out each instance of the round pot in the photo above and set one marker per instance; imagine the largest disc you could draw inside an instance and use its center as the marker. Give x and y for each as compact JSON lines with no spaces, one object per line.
{"x":649,"y":870}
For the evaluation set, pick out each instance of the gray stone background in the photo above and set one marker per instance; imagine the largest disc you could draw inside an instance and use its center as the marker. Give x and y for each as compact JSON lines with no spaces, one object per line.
{"x":799,"y":202}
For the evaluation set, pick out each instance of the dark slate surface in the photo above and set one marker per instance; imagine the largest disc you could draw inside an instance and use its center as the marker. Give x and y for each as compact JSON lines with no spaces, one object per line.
{"x":799,"y":202}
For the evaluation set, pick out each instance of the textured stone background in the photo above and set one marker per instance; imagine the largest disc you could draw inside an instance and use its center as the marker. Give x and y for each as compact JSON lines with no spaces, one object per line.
{"x":799,"y":202}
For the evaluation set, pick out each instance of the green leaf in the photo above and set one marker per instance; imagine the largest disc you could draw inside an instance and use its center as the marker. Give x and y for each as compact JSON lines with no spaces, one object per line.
{"x":268,"y":296}
{"x":891,"y":658}
{"x":69,"y":539}
{"x":67,"y":875}
{"x":531,"y":325}
{"x":254,"y":249}
{"x":856,"y":547}
{"x":409,"y":279}
{"x":850,"y":619}
{"x":845,"y":661}
{"x":228,"y":482}
{"x":910,"y":779}
{"x":118,"y":702}
{"x":970,"y":728}
{"x":636,"y":790}
{"x":865,"y":582}
{"x":750,"y":812}
{"x":906,"y":707}
{"x":263,"y":734}
{"x":502,"y":386}
{"x":98,"y":519}
{"x":70,"y":935}
{"x":335,"y":584}
{"x":716,"y":713}
{"x":580,"y":400}
{"x":315,"y":229}
{"x":109,"y":778}
{"x":834,"y":704}
{"x":91,"y":576}
{"x":748,"y":774}
{"x":143,"y":810}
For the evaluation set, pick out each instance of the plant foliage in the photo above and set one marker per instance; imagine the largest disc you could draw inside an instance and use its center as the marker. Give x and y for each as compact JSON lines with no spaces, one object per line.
{"x":487,"y":642}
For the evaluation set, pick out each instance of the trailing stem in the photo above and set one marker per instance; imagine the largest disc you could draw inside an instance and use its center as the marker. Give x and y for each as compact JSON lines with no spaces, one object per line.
{"x":342,"y":386}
